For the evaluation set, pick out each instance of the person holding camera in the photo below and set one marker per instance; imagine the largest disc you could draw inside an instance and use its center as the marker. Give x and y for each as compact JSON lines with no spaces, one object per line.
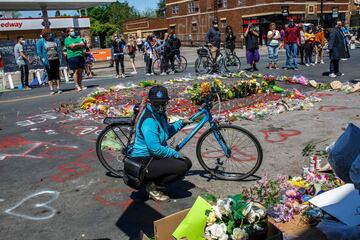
{"x":252,"y":47}
{"x":273,"y":37}
{"x":164,"y":164}
{"x":118,"y":43}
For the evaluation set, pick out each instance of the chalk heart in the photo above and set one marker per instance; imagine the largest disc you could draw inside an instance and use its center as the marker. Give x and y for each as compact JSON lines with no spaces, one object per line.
{"x":41,"y":207}
{"x":332,"y":108}
{"x":277,"y":136}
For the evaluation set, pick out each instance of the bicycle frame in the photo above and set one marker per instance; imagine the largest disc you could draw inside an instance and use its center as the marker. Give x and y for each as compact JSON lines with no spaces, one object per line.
{"x":207,"y":117}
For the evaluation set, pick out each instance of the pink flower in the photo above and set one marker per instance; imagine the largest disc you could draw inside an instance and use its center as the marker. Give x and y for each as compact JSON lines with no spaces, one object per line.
{"x":291,"y":193}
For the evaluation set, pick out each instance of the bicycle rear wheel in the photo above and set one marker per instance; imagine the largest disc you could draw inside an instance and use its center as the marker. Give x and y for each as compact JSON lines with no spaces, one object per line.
{"x":203,"y":65}
{"x":157,"y":66}
{"x":232,"y":64}
{"x":111,"y":147}
{"x":246,"y":153}
{"x":180,"y":64}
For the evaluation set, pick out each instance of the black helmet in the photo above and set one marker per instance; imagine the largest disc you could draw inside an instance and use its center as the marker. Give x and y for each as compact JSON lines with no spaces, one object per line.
{"x":158,"y":94}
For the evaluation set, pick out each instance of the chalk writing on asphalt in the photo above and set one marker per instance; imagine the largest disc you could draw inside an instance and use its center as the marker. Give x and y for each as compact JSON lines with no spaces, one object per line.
{"x":43,"y":210}
{"x":278,"y":135}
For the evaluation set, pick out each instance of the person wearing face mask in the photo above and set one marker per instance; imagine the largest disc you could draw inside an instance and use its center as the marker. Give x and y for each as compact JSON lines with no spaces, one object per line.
{"x":119,"y":45}
{"x":309,"y":46}
{"x":213,"y":40}
{"x":230,"y":39}
{"x":152,"y":132}
{"x":22,"y":60}
{"x":75,"y":48}
{"x":292,"y":41}
{"x":50,"y":56}
{"x":252,"y":47}
{"x":337,"y":47}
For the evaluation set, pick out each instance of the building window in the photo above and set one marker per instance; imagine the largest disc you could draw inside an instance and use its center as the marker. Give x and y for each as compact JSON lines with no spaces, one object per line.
{"x":175,"y":9}
{"x":223,"y":23}
{"x":194,"y":27}
{"x":240,"y":2}
{"x":225,"y":3}
{"x":193,"y":6}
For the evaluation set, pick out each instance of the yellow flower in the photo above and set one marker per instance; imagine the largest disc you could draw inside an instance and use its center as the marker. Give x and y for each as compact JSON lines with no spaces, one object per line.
{"x":218,"y":82}
{"x":211,"y":218}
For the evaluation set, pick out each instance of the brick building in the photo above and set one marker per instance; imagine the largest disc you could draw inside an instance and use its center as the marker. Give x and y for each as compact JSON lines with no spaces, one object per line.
{"x":191,"y":19}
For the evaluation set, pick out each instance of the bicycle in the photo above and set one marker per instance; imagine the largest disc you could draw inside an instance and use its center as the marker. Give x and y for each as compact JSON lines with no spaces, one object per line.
{"x":217,"y":160}
{"x":205,"y":64}
{"x":232,"y":62}
{"x":180,"y":64}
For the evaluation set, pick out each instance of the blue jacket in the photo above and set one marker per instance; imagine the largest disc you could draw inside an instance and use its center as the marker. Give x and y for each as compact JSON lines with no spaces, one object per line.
{"x":42,"y":53}
{"x":152,"y":133}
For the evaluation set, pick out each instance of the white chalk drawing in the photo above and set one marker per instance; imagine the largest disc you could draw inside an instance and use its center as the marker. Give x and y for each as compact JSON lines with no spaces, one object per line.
{"x":42,"y":206}
{"x":85,"y":130}
{"x":36,"y":119}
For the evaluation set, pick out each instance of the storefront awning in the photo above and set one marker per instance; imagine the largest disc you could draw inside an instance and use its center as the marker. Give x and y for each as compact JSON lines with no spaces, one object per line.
{"x":23,"y":5}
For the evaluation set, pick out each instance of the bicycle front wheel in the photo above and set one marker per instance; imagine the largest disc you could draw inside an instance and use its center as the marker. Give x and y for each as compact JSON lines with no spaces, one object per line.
{"x":203,"y":65}
{"x":180,"y":64}
{"x":157,"y":66}
{"x":111,"y":147}
{"x":244,"y":160}
{"x":232,"y":64}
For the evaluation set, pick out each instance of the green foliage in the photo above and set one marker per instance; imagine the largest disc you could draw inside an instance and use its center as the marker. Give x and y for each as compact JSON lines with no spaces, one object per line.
{"x":238,"y":205}
{"x":161,"y":8}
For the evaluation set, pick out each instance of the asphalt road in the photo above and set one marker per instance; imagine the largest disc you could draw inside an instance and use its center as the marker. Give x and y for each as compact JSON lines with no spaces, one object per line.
{"x":53,"y":187}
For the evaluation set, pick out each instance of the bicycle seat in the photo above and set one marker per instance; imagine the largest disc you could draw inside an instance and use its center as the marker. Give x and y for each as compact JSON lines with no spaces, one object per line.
{"x":119,"y":120}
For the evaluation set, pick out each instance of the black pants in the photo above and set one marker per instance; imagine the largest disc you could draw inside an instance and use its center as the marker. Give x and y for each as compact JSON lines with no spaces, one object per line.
{"x":301,"y":50}
{"x":334,"y":66}
{"x":148,"y":64}
{"x":24,"y":69}
{"x":170,"y":58}
{"x":119,"y":59}
{"x":167,"y":170}
{"x":309,"y":52}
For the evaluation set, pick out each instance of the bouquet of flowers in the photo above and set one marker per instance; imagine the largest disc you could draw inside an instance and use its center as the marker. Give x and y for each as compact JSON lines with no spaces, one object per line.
{"x":235,"y":218}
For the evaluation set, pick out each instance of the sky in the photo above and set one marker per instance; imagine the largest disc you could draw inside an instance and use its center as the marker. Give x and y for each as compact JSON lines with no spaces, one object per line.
{"x":138,"y":4}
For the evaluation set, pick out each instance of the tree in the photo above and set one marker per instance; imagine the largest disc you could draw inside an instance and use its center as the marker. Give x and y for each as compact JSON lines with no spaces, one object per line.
{"x":161,"y":8}
{"x":57,"y":13}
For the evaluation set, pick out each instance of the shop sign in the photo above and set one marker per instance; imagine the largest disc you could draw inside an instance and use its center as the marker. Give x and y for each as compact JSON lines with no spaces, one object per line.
{"x":251,"y":21}
{"x":37,"y":23}
{"x":335,"y":12}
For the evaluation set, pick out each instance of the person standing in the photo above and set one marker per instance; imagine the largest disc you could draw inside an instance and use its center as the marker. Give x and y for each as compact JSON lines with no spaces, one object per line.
{"x":131,"y":46}
{"x":273,"y":37}
{"x":149,"y":54}
{"x":302,"y":43}
{"x":213,"y":40}
{"x":176,"y":45}
{"x":75,"y":48}
{"x":22,"y":60}
{"x":291,"y":42}
{"x":118,"y":43}
{"x":309,"y":46}
{"x":319,"y":44}
{"x":163,"y":50}
{"x":50,"y":54}
{"x":139,"y":43}
{"x":337,"y":49}
{"x":230,"y":39}
{"x":252,"y":47}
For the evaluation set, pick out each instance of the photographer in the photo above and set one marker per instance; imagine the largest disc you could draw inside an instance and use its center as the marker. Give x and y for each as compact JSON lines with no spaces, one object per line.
{"x":119,"y":44}
{"x":252,"y":47}
{"x":273,"y":37}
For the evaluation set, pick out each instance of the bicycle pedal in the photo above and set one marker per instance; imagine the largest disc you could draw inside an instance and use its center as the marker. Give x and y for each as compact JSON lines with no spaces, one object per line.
{"x":219,"y":162}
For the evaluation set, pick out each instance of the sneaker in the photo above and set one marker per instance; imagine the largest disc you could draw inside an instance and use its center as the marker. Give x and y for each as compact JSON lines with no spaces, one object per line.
{"x":78,"y":89}
{"x":52,"y":92}
{"x":322,"y":62}
{"x":151,"y":74}
{"x":27,"y":88}
{"x":148,"y":74}
{"x":340,"y":74}
{"x":286,"y":68}
{"x":171,"y":73}
{"x":308,"y":65}
{"x":122,"y":76}
{"x":296,"y":69}
{"x":312,"y":64}
{"x":83,"y":88}
{"x":59,"y":91}
{"x":133,"y":73}
{"x":156,"y":194}
{"x":275,"y":67}
{"x":163,"y":74}
{"x":332,"y":75}
{"x":117,"y":76}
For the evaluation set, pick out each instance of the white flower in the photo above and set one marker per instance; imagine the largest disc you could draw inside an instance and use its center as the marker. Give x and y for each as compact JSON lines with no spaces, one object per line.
{"x":211,"y":218}
{"x":239,"y":234}
{"x":217,"y":231}
{"x":224,"y":206}
{"x":217,"y":212}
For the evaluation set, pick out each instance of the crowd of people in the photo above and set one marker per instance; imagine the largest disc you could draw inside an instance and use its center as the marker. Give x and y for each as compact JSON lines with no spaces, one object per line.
{"x":299,"y":41}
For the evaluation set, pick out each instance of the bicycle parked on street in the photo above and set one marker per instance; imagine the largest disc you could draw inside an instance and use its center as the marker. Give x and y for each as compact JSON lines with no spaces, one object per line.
{"x":180,"y":63}
{"x":231,"y":61}
{"x":225,"y":151}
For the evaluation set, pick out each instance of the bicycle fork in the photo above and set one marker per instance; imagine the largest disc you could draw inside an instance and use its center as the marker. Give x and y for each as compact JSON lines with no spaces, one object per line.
{"x":226,"y":149}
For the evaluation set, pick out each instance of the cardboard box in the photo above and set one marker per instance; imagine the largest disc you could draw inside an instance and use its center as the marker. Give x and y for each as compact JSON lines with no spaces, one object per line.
{"x":164,"y":228}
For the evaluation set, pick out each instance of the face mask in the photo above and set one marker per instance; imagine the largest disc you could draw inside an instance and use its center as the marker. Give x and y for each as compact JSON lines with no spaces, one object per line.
{"x":216,"y":26}
{"x":160,"y":108}
{"x":22,"y":42}
{"x":291,"y":24}
{"x":73,"y":34}
{"x":174,"y":36}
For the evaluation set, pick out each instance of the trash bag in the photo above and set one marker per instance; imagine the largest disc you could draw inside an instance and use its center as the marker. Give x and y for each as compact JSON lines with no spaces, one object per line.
{"x":355,"y":172}
{"x":344,"y":152}
{"x":34,"y":82}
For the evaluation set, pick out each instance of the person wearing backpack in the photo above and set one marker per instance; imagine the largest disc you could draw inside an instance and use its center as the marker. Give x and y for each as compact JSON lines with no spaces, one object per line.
{"x":164,"y":164}
{"x":132,"y":52}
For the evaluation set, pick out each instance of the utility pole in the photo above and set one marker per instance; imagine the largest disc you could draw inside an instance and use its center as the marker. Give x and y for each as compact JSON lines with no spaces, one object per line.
{"x":322,"y":12}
